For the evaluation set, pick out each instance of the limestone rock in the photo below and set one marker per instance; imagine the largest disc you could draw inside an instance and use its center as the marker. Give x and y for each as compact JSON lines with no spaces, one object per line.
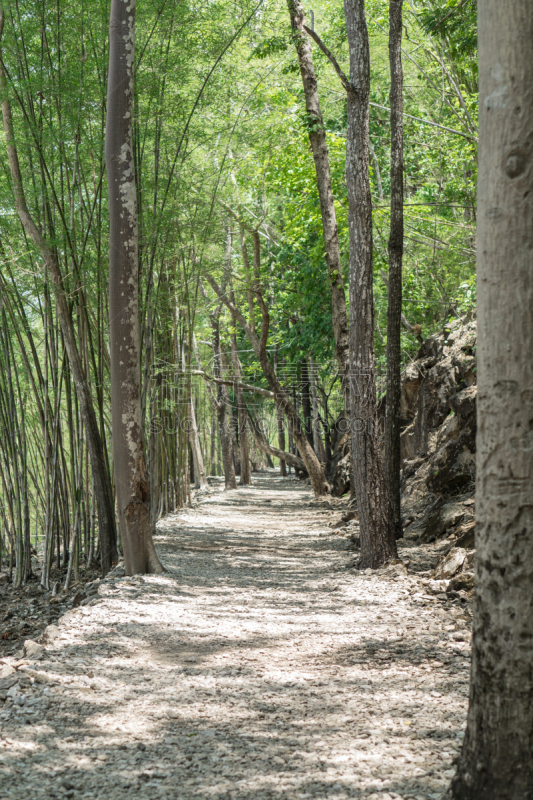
{"x":450,"y":564}
{"x":467,"y":535}
{"x":51,"y":633}
{"x":464,"y":581}
{"x":6,"y":671}
{"x":32,"y":649}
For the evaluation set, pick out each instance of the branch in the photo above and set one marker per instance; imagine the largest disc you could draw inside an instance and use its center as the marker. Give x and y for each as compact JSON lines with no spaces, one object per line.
{"x":237,"y":315}
{"x":246,"y":387}
{"x":264,"y":445}
{"x":468,"y":136}
{"x":344,"y":80}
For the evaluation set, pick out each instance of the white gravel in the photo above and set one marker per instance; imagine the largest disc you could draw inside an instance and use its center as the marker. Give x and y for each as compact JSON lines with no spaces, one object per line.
{"x":257,"y":667}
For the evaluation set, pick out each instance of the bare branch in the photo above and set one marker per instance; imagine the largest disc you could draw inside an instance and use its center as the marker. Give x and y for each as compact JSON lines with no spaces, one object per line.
{"x":344,"y":80}
{"x":246,"y":387}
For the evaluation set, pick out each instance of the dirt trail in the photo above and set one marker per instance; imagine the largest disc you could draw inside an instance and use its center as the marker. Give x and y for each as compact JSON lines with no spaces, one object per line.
{"x":257,"y":667}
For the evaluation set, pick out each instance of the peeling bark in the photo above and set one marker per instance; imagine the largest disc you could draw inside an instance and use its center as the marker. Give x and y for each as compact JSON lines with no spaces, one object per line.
{"x":131,"y":479}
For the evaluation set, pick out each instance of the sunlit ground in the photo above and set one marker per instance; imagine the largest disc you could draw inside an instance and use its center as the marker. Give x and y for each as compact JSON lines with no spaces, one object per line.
{"x":257,"y":667}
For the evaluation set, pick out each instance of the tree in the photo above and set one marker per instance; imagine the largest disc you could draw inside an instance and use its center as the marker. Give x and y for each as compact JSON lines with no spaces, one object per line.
{"x":317,"y":140}
{"x":496,"y":762}
{"x":378,"y":543}
{"x":131,"y":478}
{"x":102,"y":485}
{"x":394,"y":313}
{"x":280,"y":394}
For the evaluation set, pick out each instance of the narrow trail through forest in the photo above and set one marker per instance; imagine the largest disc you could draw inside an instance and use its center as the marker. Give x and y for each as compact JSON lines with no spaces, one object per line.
{"x":258,"y":667}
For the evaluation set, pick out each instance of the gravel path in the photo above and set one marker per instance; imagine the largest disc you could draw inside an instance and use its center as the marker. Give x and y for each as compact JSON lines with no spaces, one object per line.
{"x":257,"y":667}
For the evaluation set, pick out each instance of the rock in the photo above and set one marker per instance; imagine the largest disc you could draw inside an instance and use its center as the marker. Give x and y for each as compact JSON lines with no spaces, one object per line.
{"x":6,"y":671}
{"x":466,"y":536}
{"x":8,"y":682}
{"x":441,"y":520}
{"x":50,"y":634}
{"x":453,"y":428}
{"x":450,"y":564}
{"x":118,"y":572}
{"x":349,"y":516}
{"x":464,"y":402}
{"x":32,"y":649}
{"x":78,"y":598}
{"x":465,"y":581}
{"x":452,"y":468}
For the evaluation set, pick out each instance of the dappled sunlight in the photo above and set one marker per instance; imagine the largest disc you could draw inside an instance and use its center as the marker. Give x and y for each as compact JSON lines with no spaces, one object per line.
{"x":256,"y":667}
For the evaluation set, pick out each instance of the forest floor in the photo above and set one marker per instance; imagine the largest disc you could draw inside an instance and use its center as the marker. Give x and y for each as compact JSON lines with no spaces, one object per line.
{"x":261,"y":665}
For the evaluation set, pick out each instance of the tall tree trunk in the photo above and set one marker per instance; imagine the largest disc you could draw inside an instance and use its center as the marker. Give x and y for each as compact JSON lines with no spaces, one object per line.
{"x":246,"y":475}
{"x":221,"y":405}
{"x":102,"y":483}
{"x":378,"y":544}
{"x":318,"y":444}
{"x":394,"y":313}
{"x":281,"y":441}
{"x":306,"y":403}
{"x":131,"y":478}
{"x":317,"y":140}
{"x":200,"y":477}
{"x":496,"y":762}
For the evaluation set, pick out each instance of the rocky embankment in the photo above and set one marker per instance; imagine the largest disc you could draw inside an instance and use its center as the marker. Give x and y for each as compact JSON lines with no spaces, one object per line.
{"x":438,"y":449}
{"x":438,"y":456}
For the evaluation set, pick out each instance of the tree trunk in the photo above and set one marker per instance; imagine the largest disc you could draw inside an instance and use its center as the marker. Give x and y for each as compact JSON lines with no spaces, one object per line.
{"x":306,"y":404}
{"x":317,"y":140}
{"x":200,"y":477}
{"x":102,"y":483}
{"x":221,"y":405}
{"x":318,"y":444}
{"x":131,"y":479}
{"x":281,"y":442}
{"x":378,"y":545}
{"x":246,"y":475}
{"x":394,"y":313}
{"x":496,"y":762}
{"x":212,"y":453}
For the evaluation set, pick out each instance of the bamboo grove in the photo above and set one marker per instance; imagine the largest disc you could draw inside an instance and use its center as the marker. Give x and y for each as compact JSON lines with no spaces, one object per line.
{"x":234,"y":311}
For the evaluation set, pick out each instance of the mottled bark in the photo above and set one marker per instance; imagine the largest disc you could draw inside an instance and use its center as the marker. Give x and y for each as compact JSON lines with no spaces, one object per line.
{"x":496,"y":762}
{"x":306,"y":403}
{"x":221,"y":405}
{"x":394,"y":311}
{"x":317,"y":140}
{"x":131,"y":478}
{"x":246,"y":474}
{"x":101,"y":480}
{"x":200,"y":477}
{"x":378,"y":545}
{"x":281,"y":441}
{"x":318,"y":444}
